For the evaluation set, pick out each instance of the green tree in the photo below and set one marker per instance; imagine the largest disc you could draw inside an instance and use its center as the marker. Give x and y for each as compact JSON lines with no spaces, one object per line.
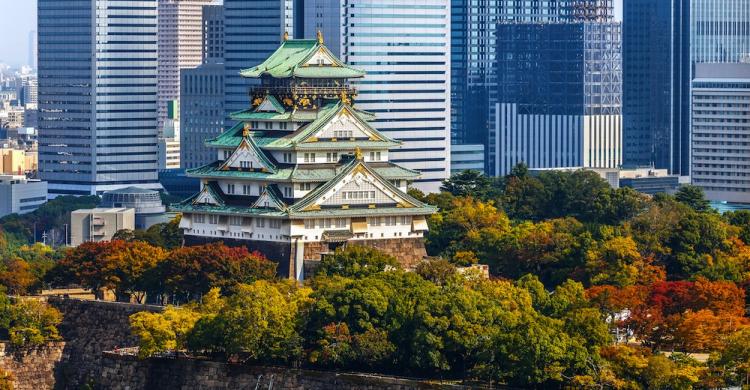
{"x":693,"y":197}
{"x":28,"y":322}
{"x":470,"y":183}
{"x":356,"y":261}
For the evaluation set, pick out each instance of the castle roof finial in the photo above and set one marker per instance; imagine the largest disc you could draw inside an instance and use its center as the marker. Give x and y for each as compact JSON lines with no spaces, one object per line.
{"x":320,"y":37}
{"x":286,"y":36}
{"x":358,"y":154}
{"x":246,"y":130}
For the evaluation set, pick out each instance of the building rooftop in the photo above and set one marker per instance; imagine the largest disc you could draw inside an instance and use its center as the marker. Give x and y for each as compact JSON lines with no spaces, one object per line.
{"x":298,"y":58}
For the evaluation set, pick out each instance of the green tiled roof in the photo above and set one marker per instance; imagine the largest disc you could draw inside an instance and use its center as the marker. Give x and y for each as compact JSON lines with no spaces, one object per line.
{"x":325,"y":115}
{"x":313,"y":195}
{"x":290,"y":58}
{"x":267,"y":163}
{"x":301,"y":173}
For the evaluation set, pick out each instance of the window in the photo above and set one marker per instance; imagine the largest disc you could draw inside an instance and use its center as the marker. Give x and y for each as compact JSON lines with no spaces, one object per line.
{"x":283,"y":125}
{"x":332,"y":157}
{"x":305,"y":186}
{"x":390,"y":221}
{"x":227,"y":153}
{"x":309,"y":157}
{"x":343,"y":134}
{"x":246,"y":164}
{"x":287,"y":157}
{"x":199,"y":218}
{"x":235,"y":221}
{"x":230,"y":188}
{"x":213,"y":219}
{"x":260,"y":222}
{"x":287,"y":192}
{"x":359,"y":195}
{"x":340,"y":223}
{"x":405,"y":220}
{"x":268,"y":125}
{"x":396,"y":183}
{"x":245,"y":189}
{"x":274,"y":223}
{"x":375,"y":221}
{"x":309,"y":224}
{"x":374,"y":156}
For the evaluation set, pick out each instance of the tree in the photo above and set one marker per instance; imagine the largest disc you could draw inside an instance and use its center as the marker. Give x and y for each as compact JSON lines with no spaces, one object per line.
{"x":436,"y":271}
{"x":693,"y":197}
{"x":469,"y":183}
{"x":734,"y":358}
{"x":356,"y":261}
{"x":617,"y":261}
{"x":260,"y":321}
{"x":17,"y":277}
{"x":163,"y":332}
{"x":189,"y":273}
{"x":28,"y":322}
{"x":740,"y":219}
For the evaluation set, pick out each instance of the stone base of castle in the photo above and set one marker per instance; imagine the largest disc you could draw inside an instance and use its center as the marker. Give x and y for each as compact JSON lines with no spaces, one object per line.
{"x":408,"y":251}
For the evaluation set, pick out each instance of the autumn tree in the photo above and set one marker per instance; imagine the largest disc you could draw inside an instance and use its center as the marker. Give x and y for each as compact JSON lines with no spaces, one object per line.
{"x":28,"y":322}
{"x":617,"y":261}
{"x":189,"y":273}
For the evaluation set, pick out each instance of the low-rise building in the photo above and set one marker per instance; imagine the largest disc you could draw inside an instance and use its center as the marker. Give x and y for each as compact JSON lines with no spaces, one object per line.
{"x":99,"y":224}
{"x":467,"y":157}
{"x":147,"y":204}
{"x":649,"y":180}
{"x":21,"y":195}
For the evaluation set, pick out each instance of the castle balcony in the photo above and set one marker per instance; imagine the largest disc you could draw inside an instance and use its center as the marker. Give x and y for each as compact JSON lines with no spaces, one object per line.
{"x":307,"y":90}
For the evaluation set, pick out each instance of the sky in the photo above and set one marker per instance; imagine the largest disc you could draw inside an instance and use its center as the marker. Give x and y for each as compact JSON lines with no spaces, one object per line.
{"x":18,"y":17}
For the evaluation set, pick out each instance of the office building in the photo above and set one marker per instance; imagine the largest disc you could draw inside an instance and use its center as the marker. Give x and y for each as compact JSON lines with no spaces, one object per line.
{"x":14,"y":161}
{"x":213,"y":33}
{"x":649,"y":181}
{"x":720,"y":30}
{"x":473,"y":54}
{"x":97,"y":95}
{"x":99,"y":224}
{"x":467,"y":157}
{"x":20,"y":195}
{"x":303,"y":171}
{"x":31,"y":61}
{"x":180,"y":46}
{"x":558,"y":98}
{"x":202,"y":109}
{"x":721,"y":131}
{"x":252,"y":31}
{"x":656,"y":84}
{"x":405,"y":50}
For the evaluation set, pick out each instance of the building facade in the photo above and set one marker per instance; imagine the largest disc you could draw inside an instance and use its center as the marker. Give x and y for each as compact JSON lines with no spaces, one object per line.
{"x":721,"y":128}
{"x":99,"y":224}
{"x":213,"y":33}
{"x":558,"y":103}
{"x":304,"y":170}
{"x":656,"y":84}
{"x":21,"y":195}
{"x":720,"y":30}
{"x":97,"y":95}
{"x":405,"y":50}
{"x":202,"y":109}
{"x":473,"y":55}
{"x":180,"y":46}
{"x":467,"y":157}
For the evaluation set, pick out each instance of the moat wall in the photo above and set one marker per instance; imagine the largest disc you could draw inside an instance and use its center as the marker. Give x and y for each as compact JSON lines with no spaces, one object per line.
{"x":31,"y":368}
{"x":127,"y":373}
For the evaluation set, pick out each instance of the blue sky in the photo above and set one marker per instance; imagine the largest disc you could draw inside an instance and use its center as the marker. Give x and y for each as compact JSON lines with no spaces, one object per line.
{"x":18,"y":17}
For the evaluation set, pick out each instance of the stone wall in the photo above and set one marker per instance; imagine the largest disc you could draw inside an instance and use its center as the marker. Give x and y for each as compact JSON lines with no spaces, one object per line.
{"x":127,"y":373}
{"x":32,"y":368}
{"x":408,"y":251}
{"x":89,"y":328}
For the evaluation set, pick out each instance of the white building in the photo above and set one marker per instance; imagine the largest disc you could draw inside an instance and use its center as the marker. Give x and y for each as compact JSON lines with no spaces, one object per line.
{"x":99,"y":224}
{"x":467,"y":157}
{"x":20,"y":195}
{"x":180,"y":46}
{"x":405,"y":49}
{"x":721,"y":128}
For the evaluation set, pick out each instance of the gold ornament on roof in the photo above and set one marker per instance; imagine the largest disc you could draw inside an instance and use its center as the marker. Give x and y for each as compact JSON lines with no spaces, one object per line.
{"x":257,"y":101}
{"x":345,"y":98}
{"x":358,"y":153}
{"x":246,"y":130}
{"x":286,"y":36}
{"x":320,"y":37}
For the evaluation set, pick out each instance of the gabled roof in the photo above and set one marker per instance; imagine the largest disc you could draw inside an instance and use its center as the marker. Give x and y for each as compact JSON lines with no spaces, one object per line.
{"x":325,"y":115}
{"x":270,"y":198}
{"x":270,"y":104}
{"x":308,"y":202}
{"x":292,"y":58}
{"x":247,"y":144}
{"x":312,"y":173}
{"x":209,"y":194}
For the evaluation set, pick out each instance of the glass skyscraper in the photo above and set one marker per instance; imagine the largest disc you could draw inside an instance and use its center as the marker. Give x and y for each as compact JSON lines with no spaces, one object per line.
{"x":656,"y":84}
{"x":97,"y":95}
{"x":558,"y":96}
{"x":720,"y":31}
{"x":473,"y":46}
{"x":404,"y":47}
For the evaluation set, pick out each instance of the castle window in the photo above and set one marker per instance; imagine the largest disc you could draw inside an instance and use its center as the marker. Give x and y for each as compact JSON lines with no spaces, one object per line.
{"x":230,"y":188}
{"x":309,"y":157}
{"x":340,"y":223}
{"x":235,"y":221}
{"x":358,"y":195}
{"x":213,"y":219}
{"x":274,"y":223}
{"x":305,"y":186}
{"x":332,"y":157}
{"x":245,"y":189}
{"x":390,"y":221}
{"x":260,"y":222}
{"x":374,"y":156}
{"x":287,"y":192}
{"x":199,"y":218}
{"x":309,"y":224}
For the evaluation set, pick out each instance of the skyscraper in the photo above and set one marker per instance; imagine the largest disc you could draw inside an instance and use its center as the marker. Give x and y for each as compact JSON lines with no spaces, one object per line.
{"x":473,"y":46}
{"x":180,"y":46}
{"x":252,"y":31}
{"x":558,"y":102}
{"x":32,"y":49}
{"x":720,"y":30}
{"x":97,"y":95}
{"x":656,"y":84}
{"x":404,"y":47}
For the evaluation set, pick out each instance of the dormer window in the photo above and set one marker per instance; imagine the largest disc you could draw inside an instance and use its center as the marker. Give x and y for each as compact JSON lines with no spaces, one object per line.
{"x":246,"y":164}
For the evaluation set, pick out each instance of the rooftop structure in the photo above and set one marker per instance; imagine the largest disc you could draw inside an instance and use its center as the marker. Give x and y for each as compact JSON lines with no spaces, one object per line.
{"x":147,"y":204}
{"x":303,"y":171}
